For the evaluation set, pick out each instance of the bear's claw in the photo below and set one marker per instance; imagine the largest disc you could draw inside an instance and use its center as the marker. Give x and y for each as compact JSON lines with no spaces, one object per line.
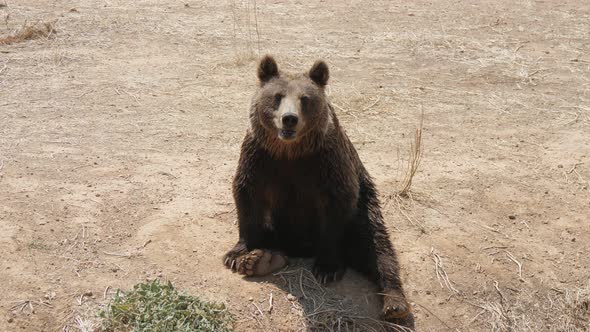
{"x":397,"y":310}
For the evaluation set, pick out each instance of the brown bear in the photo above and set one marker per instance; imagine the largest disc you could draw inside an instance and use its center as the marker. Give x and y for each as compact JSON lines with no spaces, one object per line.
{"x":301,"y":190}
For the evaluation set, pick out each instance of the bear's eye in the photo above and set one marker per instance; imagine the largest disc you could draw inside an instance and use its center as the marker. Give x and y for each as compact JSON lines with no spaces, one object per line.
{"x":278,"y":98}
{"x":304,"y":99}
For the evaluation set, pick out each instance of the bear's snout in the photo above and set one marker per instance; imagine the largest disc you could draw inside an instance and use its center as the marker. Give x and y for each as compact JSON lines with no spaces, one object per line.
{"x":290,"y":120}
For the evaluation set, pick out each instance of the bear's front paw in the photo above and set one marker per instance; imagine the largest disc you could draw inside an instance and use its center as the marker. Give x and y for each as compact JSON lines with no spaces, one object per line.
{"x":260,"y":262}
{"x":328,"y":272}
{"x":397,"y":310}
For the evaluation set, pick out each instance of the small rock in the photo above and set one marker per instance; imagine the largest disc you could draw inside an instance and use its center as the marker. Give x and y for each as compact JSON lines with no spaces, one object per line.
{"x":250,"y":299}
{"x":50,"y":296}
{"x":10,"y":320}
{"x":511,"y":217}
{"x":291,"y":297}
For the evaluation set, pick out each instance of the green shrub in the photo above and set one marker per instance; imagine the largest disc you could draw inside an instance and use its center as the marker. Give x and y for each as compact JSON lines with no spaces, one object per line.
{"x":157,"y":306}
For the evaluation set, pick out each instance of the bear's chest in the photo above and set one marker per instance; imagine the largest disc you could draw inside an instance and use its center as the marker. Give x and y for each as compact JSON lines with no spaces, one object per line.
{"x":298,"y":180}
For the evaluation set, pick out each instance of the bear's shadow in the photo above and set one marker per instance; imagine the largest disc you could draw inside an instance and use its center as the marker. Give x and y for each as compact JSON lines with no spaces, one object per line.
{"x":351,"y":304}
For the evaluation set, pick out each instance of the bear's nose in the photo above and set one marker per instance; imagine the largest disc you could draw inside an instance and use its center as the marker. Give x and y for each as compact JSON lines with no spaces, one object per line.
{"x":290,"y":120}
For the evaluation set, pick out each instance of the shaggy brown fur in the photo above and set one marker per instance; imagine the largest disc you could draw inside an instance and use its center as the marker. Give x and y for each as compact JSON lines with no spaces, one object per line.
{"x":301,"y":189}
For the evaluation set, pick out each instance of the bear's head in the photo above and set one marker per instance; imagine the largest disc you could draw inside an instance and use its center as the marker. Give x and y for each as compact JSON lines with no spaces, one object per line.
{"x":290,"y":110}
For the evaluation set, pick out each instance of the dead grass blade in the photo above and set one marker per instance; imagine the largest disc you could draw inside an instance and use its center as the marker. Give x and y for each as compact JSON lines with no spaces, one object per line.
{"x":414,"y":161}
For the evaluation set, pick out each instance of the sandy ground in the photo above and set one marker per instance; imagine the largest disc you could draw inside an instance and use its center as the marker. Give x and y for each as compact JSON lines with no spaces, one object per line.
{"x":120,"y":133}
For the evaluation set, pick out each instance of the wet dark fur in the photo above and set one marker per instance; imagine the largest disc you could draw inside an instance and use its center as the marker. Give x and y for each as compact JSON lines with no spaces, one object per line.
{"x":312,"y":197}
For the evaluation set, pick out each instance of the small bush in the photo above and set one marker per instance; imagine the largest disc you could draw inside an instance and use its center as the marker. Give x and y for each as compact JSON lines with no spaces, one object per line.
{"x":156,"y":306}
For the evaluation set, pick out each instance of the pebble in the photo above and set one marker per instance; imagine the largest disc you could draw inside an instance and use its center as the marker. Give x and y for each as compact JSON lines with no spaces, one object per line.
{"x":291,"y":297}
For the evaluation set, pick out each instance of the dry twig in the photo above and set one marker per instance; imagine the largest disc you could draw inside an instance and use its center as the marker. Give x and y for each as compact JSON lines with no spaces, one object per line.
{"x":441,"y":274}
{"x":512,"y":258}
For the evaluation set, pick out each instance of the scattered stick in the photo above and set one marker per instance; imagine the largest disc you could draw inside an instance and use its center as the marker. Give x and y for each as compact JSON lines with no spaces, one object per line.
{"x":441,"y":274}
{"x":343,"y":109}
{"x":502,"y":299}
{"x":475,"y":317}
{"x":400,"y":206}
{"x":257,"y":308}
{"x":492,"y":229}
{"x":106,"y":291}
{"x":21,"y":305}
{"x":512,"y":258}
{"x":373,"y":104}
{"x":218,"y":214}
{"x":126,"y":255}
{"x":573,"y":168}
{"x":301,"y":285}
{"x":435,"y":316}
{"x":495,"y":247}
{"x":270,"y":303}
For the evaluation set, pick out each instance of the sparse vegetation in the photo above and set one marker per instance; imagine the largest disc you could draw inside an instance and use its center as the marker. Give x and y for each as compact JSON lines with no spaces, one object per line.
{"x":123,"y":128}
{"x":157,"y":306}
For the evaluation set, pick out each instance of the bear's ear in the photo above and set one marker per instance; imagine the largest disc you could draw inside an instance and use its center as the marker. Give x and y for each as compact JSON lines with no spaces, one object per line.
{"x":267,"y":69}
{"x":319,"y":73}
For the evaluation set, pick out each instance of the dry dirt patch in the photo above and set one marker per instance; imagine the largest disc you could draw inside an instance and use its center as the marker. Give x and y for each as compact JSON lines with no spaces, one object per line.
{"x":119,"y":137}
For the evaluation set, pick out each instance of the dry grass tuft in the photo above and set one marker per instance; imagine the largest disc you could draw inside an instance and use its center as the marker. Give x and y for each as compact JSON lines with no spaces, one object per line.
{"x":414,"y":161}
{"x":575,"y":310}
{"x":245,"y":25}
{"x":29,"y":32}
{"x":326,"y":311}
{"x":569,"y":311}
